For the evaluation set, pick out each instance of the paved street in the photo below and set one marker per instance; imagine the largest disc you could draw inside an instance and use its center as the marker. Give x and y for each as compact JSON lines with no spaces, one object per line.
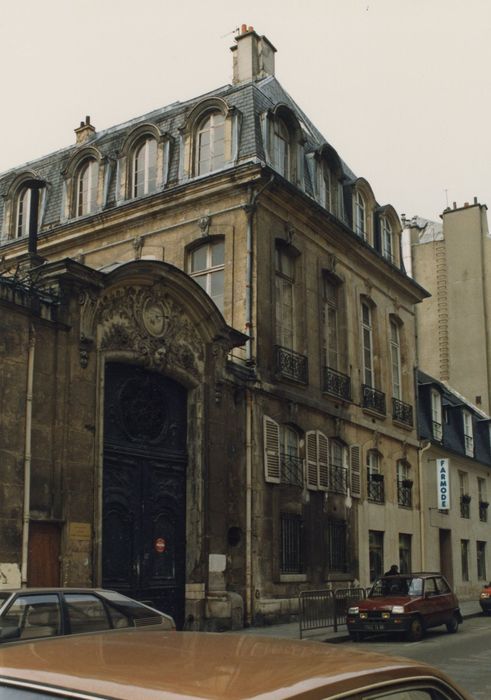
{"x":465,"y":656}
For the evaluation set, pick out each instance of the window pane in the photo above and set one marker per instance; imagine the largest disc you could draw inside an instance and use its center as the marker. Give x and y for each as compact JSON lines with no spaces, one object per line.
{"x":32,"y":616}
{"x":198,"y":259}
{"x":217,"y":254}
{"x":86,"y":613}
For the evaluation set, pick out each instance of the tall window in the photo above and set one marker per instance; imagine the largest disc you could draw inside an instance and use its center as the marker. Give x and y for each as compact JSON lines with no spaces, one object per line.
{"x":404,"y":484}
{"x":144,"y":171}
{"x":336,"y":545}
{"x":284,"y":283}
{"x":405,"y":566}
{"x":481,"y":560}
{"x":360,"y":216}
{"x":468,"y":434}
{"x":436,"y":414}
{"x":291,"y":464}
{"x":291,"y":550}
{"x":464,"y":555}
{"x":331,"y":348}
{"x":327,"y":197}
{"x":23,"y":212}
{"x":207,"y":269}
{"x":483,"y":500}
{"x":281,"y":147}
{"x":375,"y":479}
{"x":86,"y":190}
{"x":387,"y":243}
{"x":211,"y":143}
{"x":395,"y":357}
{"x":464,"y":495}
{"x":367,"y":339}
{"x":376,"y":553}
{"x":338,"y":472}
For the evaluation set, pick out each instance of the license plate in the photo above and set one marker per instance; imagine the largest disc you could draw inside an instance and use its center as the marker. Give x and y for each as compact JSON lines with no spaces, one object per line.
{"x":374,"y":627}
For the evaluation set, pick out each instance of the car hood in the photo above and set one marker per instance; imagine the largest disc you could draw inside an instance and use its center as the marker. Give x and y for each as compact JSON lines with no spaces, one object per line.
{"x":384,"y":603}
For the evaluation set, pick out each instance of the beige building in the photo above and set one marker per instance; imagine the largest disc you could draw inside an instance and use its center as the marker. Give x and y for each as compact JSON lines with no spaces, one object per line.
{"x":452,"y":260}
{"x":208,"y":395}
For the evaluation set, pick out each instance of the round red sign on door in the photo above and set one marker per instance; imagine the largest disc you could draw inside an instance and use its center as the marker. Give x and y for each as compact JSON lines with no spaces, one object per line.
{"x":160,"y":545}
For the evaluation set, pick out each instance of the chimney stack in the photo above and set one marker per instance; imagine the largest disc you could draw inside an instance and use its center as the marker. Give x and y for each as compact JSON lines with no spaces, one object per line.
{"x":85,"y":131}
{"x":253,"y":56}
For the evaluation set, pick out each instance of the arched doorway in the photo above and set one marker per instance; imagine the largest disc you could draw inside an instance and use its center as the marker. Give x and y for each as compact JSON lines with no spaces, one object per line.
{"x":144,"y":487}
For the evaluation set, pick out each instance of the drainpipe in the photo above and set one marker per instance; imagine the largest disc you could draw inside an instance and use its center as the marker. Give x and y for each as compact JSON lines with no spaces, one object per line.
{"x":250,"y":209}
{"x":27,"y":456}
{"x":422,"y":523}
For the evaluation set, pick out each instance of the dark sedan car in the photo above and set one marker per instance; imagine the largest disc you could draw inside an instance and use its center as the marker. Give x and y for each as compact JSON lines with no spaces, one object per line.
{"x":48,"y":612}
{"x":407,"y":604}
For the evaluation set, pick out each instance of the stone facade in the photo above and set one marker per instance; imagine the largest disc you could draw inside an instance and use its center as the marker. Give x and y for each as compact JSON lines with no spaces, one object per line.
{"x":258,"y":284}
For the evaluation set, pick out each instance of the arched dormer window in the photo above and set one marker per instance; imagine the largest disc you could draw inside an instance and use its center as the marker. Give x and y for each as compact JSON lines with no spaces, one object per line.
{"x":389,"y":233}
{"x":360,"y":216}
{"x":24,"y":206}
{"x":144,"y":167}
{"x":210,"y":143}
{"x":27,"y":206}
{"x":386,"y":239}
{"x":281,"y":148}
{"x":86,"y":186}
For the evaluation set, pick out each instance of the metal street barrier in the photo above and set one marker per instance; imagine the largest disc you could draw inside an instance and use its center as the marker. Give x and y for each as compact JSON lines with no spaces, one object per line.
{"x":325,"y":608}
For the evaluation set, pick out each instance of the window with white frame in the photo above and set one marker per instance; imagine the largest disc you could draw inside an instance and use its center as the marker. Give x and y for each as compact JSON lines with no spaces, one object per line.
{"x":281,"y":147}
{"x":291,"y":464}
{"x":86,"y":187}
{"x":387,"y":240}
{"x":207,"y":269}
{"x":436,"y":414}
{"x":404,"y":484}
{"x":367,"y":341}
{"x":330,"y":339}
{"x":395,"y":357}
{"x":327,"y":195}
{"x":284,"y":290}
{"x":23,"y":212}
{"x":468,"y":433}
{"x":338,"y":472}
{"x":210,"y":143}
{"x":360,"y":215}
{"x":144,"y":167}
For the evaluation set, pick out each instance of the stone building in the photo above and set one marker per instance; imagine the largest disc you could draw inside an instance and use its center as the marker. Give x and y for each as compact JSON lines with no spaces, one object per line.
{"x":207,"y":392}
{"x":452,"y":260}
{"x":456,"y":482}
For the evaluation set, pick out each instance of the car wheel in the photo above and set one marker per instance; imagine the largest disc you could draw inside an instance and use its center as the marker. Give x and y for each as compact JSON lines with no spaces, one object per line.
{"x":453,"y":625}
{"x":416,"y":630}
{"x":357,"y":636}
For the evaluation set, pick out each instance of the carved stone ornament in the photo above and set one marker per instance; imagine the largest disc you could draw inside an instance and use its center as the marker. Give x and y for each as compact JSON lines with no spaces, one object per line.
{"x":149,"y":323}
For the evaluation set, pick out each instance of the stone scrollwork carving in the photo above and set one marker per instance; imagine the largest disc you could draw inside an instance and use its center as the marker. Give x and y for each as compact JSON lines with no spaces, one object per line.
{"x":150,"y":323}
{"x":88,"y":303}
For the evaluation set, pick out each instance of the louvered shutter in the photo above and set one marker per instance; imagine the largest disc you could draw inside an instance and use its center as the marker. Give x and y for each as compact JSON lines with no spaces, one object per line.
{"x":271,"y":450}
{"x":355,"y":470}
{"x":311,"y":452}
{"x":323,"y":456}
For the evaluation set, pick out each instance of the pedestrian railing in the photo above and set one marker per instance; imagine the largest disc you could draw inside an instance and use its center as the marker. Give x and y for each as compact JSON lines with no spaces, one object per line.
{"x":325,"y":608}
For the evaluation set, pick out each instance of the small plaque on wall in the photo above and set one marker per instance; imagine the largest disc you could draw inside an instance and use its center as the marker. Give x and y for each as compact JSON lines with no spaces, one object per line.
{"x":79,"y":531}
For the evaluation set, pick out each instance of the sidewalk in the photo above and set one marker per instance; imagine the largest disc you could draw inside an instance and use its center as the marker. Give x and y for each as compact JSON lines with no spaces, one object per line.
{"x":468,"y":608}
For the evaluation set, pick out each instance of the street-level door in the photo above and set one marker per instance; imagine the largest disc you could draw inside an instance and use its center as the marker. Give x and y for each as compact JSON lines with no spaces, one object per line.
{"x":144,"y":487}
{"x":446,"y":565}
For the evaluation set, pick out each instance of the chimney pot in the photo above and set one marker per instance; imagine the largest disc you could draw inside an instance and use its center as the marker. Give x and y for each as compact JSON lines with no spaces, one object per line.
{"x":243,"y":29}
{"x":466,"y":204}
{"x":455,"y":205}
{"x":475,"y":200}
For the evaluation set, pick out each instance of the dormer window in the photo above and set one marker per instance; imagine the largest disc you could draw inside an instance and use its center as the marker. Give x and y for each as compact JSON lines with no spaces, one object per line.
{"x":210,"y":146}
{"x":86,"y":187}
{"x":360,"y":216}
{"x":23,"y":213}
{"x":387,"y":239}
{"x":281,"y":147}
{"x":468,"y":434}
{"x":144,"y":168}
{"x":436,"y":414}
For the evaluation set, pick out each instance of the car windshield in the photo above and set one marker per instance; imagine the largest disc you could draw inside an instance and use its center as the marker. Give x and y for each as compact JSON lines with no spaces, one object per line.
{"x":389,"y":586}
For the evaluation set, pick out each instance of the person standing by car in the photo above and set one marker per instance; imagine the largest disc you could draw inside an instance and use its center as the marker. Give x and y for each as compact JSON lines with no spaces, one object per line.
{"x":393,"y":571}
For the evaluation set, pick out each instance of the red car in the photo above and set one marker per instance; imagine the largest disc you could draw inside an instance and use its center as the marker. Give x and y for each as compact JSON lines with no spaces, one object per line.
{"x":485,"y":599}
{"x":405,"y":604}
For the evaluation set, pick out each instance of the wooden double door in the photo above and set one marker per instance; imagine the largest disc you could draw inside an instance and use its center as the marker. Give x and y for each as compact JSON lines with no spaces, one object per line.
{"x":144,"y":487}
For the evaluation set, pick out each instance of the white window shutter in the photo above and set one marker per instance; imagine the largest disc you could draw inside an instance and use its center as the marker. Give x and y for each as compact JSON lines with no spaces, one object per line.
{"x":355,"y":470}
{"x":271,"y":450}
{"x":323,"y":455}
{"x":312,"y":457}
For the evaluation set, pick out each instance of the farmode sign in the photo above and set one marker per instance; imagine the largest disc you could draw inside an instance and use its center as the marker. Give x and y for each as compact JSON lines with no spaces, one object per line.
{"x":443,"y":481}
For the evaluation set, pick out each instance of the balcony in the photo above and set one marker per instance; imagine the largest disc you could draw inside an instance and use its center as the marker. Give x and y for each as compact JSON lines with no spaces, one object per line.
{"x":402,"y":412}
{"x":376,"y":490}
{"x":337,"y":384}
{"x":291,"y":470}
{"x":338,"y":479}
{"x":291,"y":365}
{"x":373,"y":399}
{"x":405,"y":493}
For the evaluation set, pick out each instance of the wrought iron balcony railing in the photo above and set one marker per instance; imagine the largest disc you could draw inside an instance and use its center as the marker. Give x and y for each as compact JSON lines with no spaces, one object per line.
{"x":337,"y":384}
{"x":373,"y":399}
{"x":465,"y":506}
{"x":376,"y":490}
{"x":437,"y":430}
{"x":402,"y":412}
{"x":405,"y":493}
{"x":338,"y":479}
{"x":291,"y":364}
{"x":291,"y":470}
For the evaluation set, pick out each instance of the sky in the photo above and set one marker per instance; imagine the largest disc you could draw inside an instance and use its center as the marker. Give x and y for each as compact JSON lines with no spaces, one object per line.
{"x":401,"y":88}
